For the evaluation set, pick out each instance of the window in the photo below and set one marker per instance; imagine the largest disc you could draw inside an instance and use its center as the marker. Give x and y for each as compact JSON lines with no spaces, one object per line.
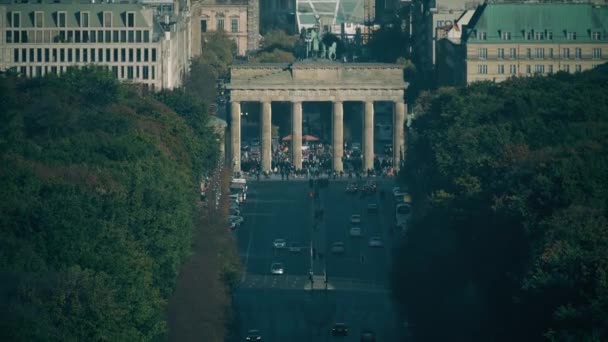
{"x":597,"y":53}
{"x":38,"y":19}
{"x":61,"y":19}
{"x":130,"y":19}
{"x":146,"y":36}
{"x":153,"y":55}
{"x":115,"y":36}
{"x":550,"y":68}
{"x":512,"y":53}
{"x":108,"y":55}
{"x":528,"y":35}
{"x":16,"y":55}
{"x":596,"y":35}
{"x":107,"y":19}
{"x":131,"y":36}
{"x":9,"y":36}
{"x":234,"y":25}
{"x":550,"y":52}
{"x":220,"y":24}
{"x":565,"y":53}
{"x":539,"y":36}
{"x":145,"y":72}
{"x":85,"y":36}
{"x":203,"y":26}
{"x":115,"y":56}
{"x":528,"y":69}
{"x":482,"y":69}
{"x":62,"y":55}
{"x":501,"y":53}
{"x":47,"y":55}
{"x":571,"y":35}
{"x":539,"y":69}
{"x":501,"y":69}
{"x":93,"y":55}
{"x":138,"y":55}
{"x":16,"y":19}
{"x":145,"y":55}
{"x":506,"y":36}
{"x":84,"y":19}
{"x":482,"y":53}
{"x":130,"y":72}
{"x":108,"y":37}
{"x":32,"y":56}
{"x":24,"y":55}
{"x":153,"y":72}
{"x":138,"y":36}
{"x":549,"y":35}
{"x":566,"y":67}
{"x":540,"y":53}
{"x":38,"y":55}
{"x":481,"y":35}
{"x":77,"y":55}
{"x":100,"y":55}
{"x":578,"y":53}
{"x":130,"y":55}
{"x":123,"y":36}
{"x":512,"y":69}
{"x":70,"y":55}
{"x":77,"y":36}
{"x":578,"y":68}
{"x":24,"y":36}
{"x":528,"y":53}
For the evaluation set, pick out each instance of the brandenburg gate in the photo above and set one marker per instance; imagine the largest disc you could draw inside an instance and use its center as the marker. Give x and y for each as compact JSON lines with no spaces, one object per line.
{"x":317,"y":81}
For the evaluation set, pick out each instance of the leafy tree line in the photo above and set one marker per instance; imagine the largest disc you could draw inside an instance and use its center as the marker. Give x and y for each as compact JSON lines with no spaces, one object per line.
{"x":99,"y":186}
{"x":509,"y":238}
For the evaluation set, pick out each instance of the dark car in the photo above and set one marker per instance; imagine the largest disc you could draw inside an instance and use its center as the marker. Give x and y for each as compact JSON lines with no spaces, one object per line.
{"x":351,"y":188}
{"x":368,"y":336}
{"x":339,"y":329}
{"x":253,"y":336}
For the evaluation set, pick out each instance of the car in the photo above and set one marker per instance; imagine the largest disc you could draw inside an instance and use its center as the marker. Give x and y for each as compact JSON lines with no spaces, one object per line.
{"x":253,"y":336}
{"x":355,"y":232}
{"x":277,"y":268}
{"x":355,"y":219}
{"x":375,"y":241}
{"x":352,"y":188}
{"x":337,"y":247}
{"x":296,"y":247}
{"x":368,"y":336}
{"x":339,"y":329}
{"x":372,"y":207}
{"x":237,"y":219}
{"x":279,"y":243}
{"x":371,"y":187}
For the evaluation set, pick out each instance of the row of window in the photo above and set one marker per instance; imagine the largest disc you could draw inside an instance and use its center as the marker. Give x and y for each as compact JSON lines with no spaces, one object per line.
{"x":142,"y":72}
{"x":78,"y":36}
{"x":540,"y":53}
{"x":538,"y":69}
{"x":60,"y":19}
{"x":77,"y":55}
{"x":220,"y":25}
{"x":536,"y":35}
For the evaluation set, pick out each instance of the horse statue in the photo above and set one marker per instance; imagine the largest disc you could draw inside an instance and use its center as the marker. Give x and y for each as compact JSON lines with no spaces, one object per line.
{"x":331,"y":53}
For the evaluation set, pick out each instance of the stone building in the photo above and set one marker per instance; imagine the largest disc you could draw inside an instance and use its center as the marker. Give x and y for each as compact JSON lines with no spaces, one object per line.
{"x":503,"y":40}
{"x":238,"y":18}
{"x":136,"y":41}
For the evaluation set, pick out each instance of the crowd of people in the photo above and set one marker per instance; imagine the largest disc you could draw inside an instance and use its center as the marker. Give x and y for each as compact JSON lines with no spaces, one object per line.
{"x":316,"y":162}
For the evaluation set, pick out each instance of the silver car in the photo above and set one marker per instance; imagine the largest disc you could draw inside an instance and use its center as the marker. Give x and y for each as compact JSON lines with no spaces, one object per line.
{"x":277,"y":268}
{"x":279,"y":243}
{"x":375,"y":241}
{"x":337,"y":247}
{"x":355,"y":219}
{"x":355,"y":232}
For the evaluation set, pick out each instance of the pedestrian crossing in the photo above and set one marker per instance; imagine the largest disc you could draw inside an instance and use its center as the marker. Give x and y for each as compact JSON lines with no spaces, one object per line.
{"x":300,"y":282}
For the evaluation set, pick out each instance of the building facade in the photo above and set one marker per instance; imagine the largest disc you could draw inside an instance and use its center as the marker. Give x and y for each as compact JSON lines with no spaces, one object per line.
{"x":238,"y":18}
{"x":503,"y":40}
{"x":131,"y":39}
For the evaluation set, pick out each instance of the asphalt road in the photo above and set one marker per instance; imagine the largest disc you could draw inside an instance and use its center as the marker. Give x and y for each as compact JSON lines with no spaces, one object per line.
{"x":284,"y":307}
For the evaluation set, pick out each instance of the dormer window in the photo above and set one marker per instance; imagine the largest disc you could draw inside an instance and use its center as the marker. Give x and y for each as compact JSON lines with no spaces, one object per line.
{"x":506,"y":35}
{"x":539,"y":36}
{"x":61,"y":19}
{"x":16,"y":19}
{"x":571,"y":35}
{"x":481,"y":35}
{"x":596,"y":35}
{"x":38,"y":19}
{"x":130,"y":19}
{"x":549,"y":35}
{"x":84,"y":19}
{"x":528,"y":35}
{"x":107,"y":19}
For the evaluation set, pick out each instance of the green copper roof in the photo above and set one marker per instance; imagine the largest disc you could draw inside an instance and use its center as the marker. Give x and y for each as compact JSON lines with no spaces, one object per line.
{"x":556,"y":18}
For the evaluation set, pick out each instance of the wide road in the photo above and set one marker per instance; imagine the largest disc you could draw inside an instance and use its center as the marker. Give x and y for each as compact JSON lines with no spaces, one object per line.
{"x":284,"y":308}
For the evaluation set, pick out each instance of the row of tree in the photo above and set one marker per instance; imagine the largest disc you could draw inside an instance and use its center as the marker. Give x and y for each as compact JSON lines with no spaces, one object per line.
{"x":509,"y":238}
{"x":99,"y":188}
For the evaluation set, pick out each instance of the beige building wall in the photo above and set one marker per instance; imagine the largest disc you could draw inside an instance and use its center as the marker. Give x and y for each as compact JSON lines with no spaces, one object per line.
{"x":530,"y":59}
{"x":208,"y":16}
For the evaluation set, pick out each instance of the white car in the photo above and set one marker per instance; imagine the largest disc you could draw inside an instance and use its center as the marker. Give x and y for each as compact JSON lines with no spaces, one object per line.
{"x":279,"y":243}
{"x":355,"y":219}
{"x":236,"y":219}
{"x":375,"y":241}
{"x":295,"y":247}
{"x":355,"y":231}
{"x":277,"y":268}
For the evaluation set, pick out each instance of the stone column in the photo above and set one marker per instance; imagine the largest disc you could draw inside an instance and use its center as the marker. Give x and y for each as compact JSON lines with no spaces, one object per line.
{"x":398,"y":132}
{"x":337,"y":124}
{"x":235,"y":135}
{"x":266,"y":135}
{"x":368,"y":136}
{"x":296,"y":134}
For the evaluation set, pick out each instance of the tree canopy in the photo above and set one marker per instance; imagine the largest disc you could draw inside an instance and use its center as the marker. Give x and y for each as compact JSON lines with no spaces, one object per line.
{"x":509,"y":238}
{"x":98,"y":212}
